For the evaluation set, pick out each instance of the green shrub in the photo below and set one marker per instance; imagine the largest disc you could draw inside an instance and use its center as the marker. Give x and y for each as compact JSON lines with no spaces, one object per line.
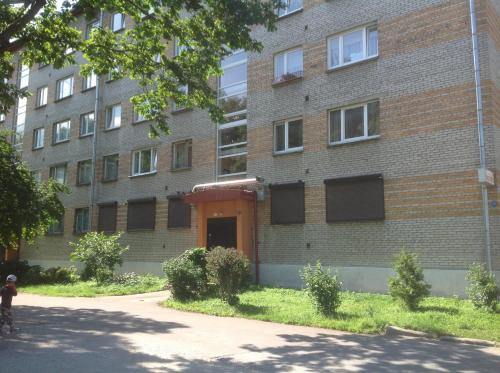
{"x":186,"y":279}
{"x":18,"y":268}
{"x":100,"y":253}
{"x":229,"y":271}
{"x":408,"y":286}
{"x":198,"y":256}
{"x":56,"y":275}
{"x":323,"y":288}
{"x":127,"y":279}
{"x":482,"y":290}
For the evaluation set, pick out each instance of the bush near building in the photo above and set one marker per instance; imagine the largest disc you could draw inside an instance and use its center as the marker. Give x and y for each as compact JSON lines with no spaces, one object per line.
{"x":323,"y":288}
{"x":482,"y":290}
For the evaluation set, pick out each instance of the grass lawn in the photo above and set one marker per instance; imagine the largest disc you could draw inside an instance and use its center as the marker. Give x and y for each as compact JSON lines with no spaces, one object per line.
{"x":359,"y":312}
{"x":91,"y":289}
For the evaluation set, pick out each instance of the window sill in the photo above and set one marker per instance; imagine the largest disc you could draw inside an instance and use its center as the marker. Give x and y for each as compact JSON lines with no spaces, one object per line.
{"x":62,"y":99}
{"x":140,"y":122}
{"x":40,"y":107}
{"x":138,"y":230}
{"x":60,"y":142}
{"x":107,"y":181}
{"x":180,"y":169}
{"x":291,"y":151}
{"x":112,"y":129}
{"x":88,"y":89}
{"x":87,"y":135}
{"x":39,"y":148}
{"x":336,"y":68}
{"x":55,"y":234}
{"x":183,"y":227}
{"x":278,"y":83}
{"x":143,"y":175}
{"x":82,"y":184}
{"x":354,"y":141}
{"x":80,"y":233}
{"x":180,"y":111}
{"x":290,"y":14}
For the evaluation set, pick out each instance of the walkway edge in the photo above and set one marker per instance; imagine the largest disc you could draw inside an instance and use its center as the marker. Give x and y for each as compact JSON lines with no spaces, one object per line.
{"x":397,"y":331}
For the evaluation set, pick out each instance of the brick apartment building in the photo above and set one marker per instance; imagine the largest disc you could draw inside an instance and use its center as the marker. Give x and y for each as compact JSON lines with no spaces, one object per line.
{"x":351,"y":136}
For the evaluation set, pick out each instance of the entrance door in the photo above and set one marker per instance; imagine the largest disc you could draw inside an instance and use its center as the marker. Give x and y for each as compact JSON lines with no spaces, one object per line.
{"x":221,"y":232}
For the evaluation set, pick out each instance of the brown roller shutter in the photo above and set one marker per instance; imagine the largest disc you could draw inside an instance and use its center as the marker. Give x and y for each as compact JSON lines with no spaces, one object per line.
{"x":141,"y":214}
{"x":355,"y":198}
{"x":287,"y":203}
{"x":179,"y":213}
{"x":107,"y":217}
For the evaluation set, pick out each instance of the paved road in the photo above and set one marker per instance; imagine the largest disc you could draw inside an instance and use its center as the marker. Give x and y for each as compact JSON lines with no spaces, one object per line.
{"x":133,"y":334}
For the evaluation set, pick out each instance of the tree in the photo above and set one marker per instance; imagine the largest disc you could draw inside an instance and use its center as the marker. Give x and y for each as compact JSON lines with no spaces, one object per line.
{"x":207,"y":31}
{"x":27,"y":209}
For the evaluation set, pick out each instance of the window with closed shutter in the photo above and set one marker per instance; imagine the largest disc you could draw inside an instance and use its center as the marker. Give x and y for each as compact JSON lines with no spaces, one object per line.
{"x":287,"y":203}
{"x":179,"y":213}
{"x":355,"y":198}
{"x":141,"y":214}
{"x":107,"y":217}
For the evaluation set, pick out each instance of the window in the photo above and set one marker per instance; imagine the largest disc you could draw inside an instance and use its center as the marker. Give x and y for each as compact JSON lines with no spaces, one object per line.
{"x":107,"y":217}
{"x":114,"y":74}
{"x":288,"y":65}
{"x":2,"y":117}
{"x":179,"y":213}
{"x":178,"y":47}
{"x":56,"y":228}
{"x":82,"y":220}
{"x":287,"y":203}
{"x":143,"y":162}
{"x":110,"y":167}
{"x":138,"y":117}
{"x":24,"y":76}
{"x":89,"y":81}
{"x":288,"y":136}
{"x":355,"y":198}
{"x":41,"y":96}
{"x":87,"y":124}
{"x":117,"y":22}
{"x":84,"y":172}
{"x":289,"y":6}
{"x":141,"y":214}
{"x":184,"y":90}
{"x":58,"y":173}
{"x":64,"y":88}
{"x":182,"y":154}
{"x":353,"y":46}
{"x":61,"y":131}
{"x":354,"y":123}
{"x":20,"y":121}
{"x":91,"y":26}
{"x":38,"y":137}
{"x":37,"y":175}
{"x":232,"y":133}
{"x":113,"y":116}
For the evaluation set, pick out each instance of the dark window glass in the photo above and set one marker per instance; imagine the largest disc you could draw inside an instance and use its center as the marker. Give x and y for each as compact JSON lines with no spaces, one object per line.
{"x":354,"y":122}
{"x":287,"y":203}
{"x":179,"y":213}
{"x":355,"y":198}
{"x":141,"y":214}
{"x":107,"y":217}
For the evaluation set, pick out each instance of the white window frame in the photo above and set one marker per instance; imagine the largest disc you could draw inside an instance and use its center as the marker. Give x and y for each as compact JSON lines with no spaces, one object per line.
{"x":286,"y":9}
{"x":79,"y":165}
{"x":89,"y":81}
{"x":79,"y":224}
{"x":90,"y":26}
{"x":2,"y":117}
{"x":189,"y":144}
{"x":64,"y":166}
{"x":154,"y":161}
{"x":105,"y":168}
{"x":343,"y":140}
{"x":122,"y":22}
{"x":287,"y":148}
{"x":110,"y":114}
{"x":59,"y":84}
{"x":38,"y":137}
{"x":84,"y":124}
{"x":42,"y":96}
{"x":184,"y":89}
{"x":56,"y":127}
{"x":138,"y":118}
{"x":22,"y":104}
{"x":297,"y":74}
{"x":341,"y":36}
{"x":24,"y":76}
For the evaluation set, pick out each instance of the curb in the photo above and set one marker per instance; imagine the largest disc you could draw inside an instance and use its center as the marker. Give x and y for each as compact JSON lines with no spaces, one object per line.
{"x":397,"y":331}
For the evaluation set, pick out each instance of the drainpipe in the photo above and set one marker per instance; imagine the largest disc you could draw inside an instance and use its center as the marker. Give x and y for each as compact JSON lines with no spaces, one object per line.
{"x":94,"y":142}
{"x":256,"y":239}
{"x":480,"y":130}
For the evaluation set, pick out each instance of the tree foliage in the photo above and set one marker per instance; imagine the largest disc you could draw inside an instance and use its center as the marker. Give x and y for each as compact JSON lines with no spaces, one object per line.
{"x":27,"y":209}
{"x":208,"y":30}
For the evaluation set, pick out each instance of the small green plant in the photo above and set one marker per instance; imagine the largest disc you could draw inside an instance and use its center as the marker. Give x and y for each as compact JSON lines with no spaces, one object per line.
{"x":229,"y":271}
{"x":323,"y":288}
{"x":100,"y":253}
{"x":408,"y":286}
{"x":482,"y":290}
